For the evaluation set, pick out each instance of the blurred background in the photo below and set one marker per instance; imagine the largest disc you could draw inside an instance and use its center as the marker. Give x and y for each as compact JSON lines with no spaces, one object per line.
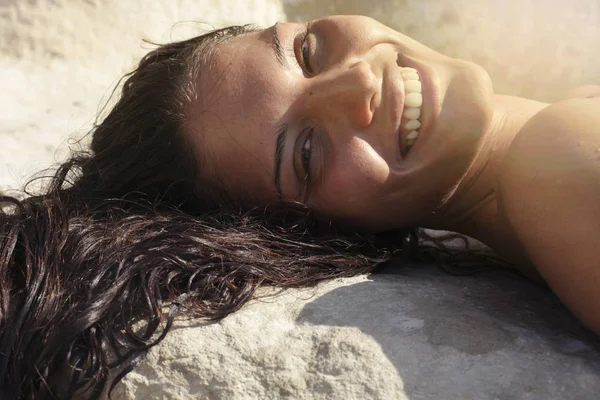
{"x":537,"y":49}
{"x":59,"y":59}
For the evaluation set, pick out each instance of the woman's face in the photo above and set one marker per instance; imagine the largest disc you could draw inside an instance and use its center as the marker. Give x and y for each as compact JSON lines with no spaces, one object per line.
{"x":358,"y":122}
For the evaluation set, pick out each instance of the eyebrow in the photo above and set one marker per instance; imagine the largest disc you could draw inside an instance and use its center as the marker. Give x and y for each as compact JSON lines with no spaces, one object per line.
{"x":282,"y":130}
{"x":279,"y":52}
{"x":280,"y":139}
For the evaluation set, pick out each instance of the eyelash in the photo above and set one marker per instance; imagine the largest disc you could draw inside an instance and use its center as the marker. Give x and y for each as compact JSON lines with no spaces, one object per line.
{"x":306,"y":150}
{"x":305,"y":154}
{"x":305,"y":57}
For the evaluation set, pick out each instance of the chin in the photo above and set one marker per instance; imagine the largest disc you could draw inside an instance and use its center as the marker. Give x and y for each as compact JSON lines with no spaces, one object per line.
{"x":468,"y":102}
{"x":466,"y":110}
{"x":464,"y":119}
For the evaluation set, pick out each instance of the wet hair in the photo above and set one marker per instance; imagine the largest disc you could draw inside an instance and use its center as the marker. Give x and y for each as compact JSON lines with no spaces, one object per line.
{"x":125,"y":236}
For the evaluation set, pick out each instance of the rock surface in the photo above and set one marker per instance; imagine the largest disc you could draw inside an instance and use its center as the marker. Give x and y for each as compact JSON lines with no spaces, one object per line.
{"x":407,"y":332}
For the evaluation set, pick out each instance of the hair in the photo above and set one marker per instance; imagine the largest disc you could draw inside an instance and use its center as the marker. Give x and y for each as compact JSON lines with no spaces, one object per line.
{"x":128,"y":234}
{"x":94,"y":269}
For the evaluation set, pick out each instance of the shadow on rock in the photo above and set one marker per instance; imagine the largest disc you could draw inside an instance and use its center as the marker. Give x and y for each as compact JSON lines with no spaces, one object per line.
{"x":494,"y":335}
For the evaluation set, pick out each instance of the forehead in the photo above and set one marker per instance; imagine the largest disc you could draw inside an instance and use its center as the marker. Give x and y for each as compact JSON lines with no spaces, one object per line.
{"x":241,"y":98}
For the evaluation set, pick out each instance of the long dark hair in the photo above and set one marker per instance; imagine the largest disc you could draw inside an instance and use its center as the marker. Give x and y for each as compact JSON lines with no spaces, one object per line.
{"x":94,"y":269}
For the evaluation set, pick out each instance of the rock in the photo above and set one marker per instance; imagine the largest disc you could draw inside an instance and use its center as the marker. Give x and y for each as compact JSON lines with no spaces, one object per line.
{"x":405,"y":332}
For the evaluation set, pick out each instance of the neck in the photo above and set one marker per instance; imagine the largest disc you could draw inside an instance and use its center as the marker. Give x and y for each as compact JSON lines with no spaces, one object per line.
{"x":472,"y":208}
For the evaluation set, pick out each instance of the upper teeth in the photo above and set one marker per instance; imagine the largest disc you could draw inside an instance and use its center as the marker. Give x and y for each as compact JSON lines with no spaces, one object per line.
{"x":413,"y":100}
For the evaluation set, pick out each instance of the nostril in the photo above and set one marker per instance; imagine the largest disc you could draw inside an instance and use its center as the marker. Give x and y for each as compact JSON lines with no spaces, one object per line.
{"x":398,"y":60}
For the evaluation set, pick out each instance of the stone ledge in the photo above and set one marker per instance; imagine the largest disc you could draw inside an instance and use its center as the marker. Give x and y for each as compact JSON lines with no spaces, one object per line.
{"x":406,"y":332}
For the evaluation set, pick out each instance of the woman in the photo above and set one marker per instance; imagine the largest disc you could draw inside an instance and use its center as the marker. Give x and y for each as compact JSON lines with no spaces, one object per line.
{"x":228,"y":159}
{"x":372,"y":130}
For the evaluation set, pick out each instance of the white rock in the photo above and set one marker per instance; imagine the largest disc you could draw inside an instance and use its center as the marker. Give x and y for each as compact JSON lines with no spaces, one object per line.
{"x":411,"y":332}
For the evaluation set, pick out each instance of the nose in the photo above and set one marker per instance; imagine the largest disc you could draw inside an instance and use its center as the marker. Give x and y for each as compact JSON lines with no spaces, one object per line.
{"x":347,"y":93}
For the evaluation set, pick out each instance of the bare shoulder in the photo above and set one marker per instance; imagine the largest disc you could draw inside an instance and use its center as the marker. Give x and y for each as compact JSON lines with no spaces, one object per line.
{"x":571,"y":125}
{"x":551,"y":174}
{"x":549,"y":191}
{"x":561,"y":141}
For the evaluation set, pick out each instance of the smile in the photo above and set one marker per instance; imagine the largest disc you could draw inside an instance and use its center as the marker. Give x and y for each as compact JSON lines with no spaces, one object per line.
{"x":410,"y":123}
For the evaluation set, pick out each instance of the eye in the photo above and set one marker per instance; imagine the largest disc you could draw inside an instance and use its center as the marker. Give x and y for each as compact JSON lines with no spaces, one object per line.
{"x":305,"y":156}
{"x":305,"y":52}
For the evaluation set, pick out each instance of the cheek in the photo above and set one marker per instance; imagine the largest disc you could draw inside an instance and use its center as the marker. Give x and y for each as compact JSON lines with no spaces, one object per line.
{"x":354,"y":179}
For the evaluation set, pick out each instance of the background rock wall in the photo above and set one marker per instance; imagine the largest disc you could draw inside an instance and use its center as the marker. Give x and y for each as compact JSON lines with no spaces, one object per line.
{"x":532,"y":48}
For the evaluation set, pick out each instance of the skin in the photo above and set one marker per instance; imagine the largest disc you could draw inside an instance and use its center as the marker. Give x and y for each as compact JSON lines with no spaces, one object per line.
{"x":519,"y":175}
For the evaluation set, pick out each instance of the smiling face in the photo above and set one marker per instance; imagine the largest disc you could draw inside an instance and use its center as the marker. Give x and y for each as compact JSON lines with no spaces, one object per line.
{"x":360,"y":123}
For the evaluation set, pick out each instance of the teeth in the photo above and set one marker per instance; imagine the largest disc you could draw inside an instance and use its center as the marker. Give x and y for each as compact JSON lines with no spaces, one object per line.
{"x":412,"y":135}
{"x":412,"y":113}
{"x":413,"y":100}
{"x":410,"y":76}
{"x":412,"y":86}
{"x":412,"y":125}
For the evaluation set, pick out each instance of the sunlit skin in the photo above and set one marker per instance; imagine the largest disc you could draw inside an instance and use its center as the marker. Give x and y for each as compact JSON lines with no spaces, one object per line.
{"x":519,"y":175}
